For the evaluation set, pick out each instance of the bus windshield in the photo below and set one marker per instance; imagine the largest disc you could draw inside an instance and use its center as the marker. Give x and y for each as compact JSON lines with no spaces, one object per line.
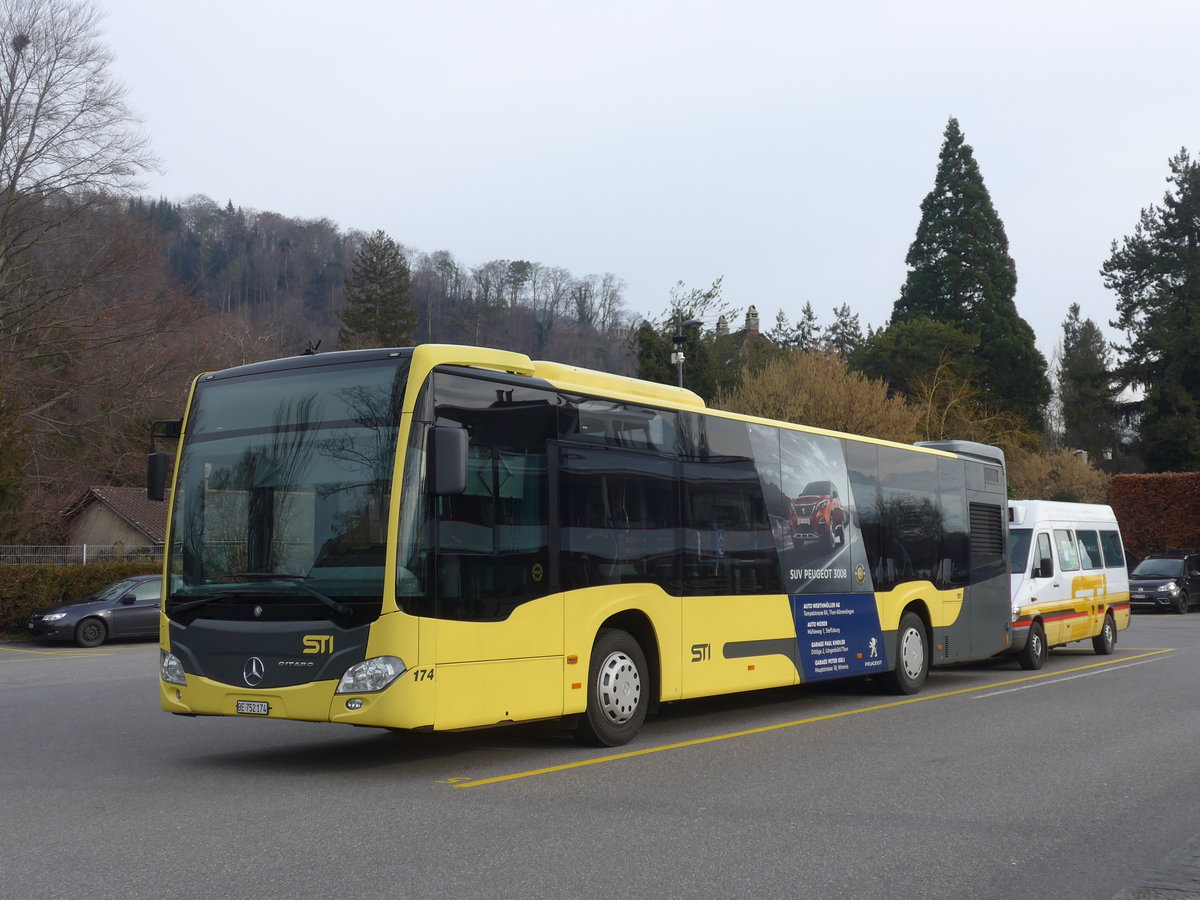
{"x":283,"y":491}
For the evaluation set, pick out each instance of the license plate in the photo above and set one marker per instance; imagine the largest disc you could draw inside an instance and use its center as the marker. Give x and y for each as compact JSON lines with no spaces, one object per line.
{"x":253,"y":707}
{"x":804,"y":521}
{"x":1138,"y":597}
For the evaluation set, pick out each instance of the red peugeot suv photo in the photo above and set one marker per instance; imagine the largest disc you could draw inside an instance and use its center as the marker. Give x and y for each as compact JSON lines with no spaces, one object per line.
{"x":817,"y":515}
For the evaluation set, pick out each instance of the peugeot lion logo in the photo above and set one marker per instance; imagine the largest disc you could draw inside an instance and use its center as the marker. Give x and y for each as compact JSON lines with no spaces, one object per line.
{"x":252,"y":674}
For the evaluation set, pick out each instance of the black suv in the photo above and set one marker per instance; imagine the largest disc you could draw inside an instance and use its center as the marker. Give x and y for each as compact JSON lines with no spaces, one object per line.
{"x":1166,"y":581}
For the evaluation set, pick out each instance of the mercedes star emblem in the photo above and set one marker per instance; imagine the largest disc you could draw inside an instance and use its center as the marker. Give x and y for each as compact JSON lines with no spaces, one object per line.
{"x":252,"y":674}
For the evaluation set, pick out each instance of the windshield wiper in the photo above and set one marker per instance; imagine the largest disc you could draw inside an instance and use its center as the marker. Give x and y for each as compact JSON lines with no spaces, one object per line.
{"x":184,"y":605}
{"x":338,"y":607}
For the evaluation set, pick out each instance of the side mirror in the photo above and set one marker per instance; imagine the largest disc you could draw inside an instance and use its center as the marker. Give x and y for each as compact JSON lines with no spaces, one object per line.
{"x":448,"y":451}
{"x":127,"y":600}
{"x":1044,"y":568}
{"x":158,"y":464}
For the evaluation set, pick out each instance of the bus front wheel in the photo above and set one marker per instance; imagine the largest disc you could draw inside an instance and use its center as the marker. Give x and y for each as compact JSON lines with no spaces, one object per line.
{"x":912,"y":657}
{"x":616,"y":691}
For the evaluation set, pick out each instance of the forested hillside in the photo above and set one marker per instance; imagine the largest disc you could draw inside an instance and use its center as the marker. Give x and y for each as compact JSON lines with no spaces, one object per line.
{"x":136,"y":297}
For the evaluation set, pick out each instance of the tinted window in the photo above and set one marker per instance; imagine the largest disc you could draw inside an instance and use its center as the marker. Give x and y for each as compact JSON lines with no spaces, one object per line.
{"x":1114,"y":554}
{"x":492,"y":539}
{"x":911,"y":513}
{"x":619,"y":518}
{"x":956,"y":539}
{"x":618,"y":425}
{"x":728,"y":545}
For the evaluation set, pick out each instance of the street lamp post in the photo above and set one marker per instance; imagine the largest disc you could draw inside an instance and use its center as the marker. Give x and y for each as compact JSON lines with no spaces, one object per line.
{"x":678,"y":342}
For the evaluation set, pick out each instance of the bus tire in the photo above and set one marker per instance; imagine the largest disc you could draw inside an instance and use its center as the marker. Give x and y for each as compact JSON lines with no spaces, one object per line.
{"x":912,"y":657}
{"x":616,"y":691}
{"x":1033,"y":654}
{"x":1106,"y":641}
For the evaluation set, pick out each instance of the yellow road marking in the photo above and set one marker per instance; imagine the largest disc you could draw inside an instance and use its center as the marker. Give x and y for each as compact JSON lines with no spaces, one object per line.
{"x":764,"y":729}
{"x":105,"y":650}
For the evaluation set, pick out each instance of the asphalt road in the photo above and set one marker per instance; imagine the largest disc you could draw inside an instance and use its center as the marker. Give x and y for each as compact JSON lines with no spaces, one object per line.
{"x":1079,"y":781}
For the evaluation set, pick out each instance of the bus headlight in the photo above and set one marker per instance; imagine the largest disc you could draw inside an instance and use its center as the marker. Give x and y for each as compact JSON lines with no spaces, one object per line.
{"x":371,"y":675}
{"x":170,"y":669}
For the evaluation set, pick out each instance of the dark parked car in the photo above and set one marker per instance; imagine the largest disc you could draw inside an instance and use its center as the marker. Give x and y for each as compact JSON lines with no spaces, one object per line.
{"x":1166,"y":581}
{"x":128,"y":608}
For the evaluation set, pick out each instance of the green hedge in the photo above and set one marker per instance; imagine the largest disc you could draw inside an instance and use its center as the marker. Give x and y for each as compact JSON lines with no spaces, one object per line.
{"x":26,"y":589}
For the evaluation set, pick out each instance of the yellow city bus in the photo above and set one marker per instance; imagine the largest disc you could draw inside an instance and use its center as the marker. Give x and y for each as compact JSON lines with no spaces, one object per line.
{"x":447,"y":537}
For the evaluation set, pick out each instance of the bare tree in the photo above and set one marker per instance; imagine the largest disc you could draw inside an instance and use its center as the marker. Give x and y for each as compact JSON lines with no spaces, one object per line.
{"x":70,"y":148}
{"x":66,"y":134}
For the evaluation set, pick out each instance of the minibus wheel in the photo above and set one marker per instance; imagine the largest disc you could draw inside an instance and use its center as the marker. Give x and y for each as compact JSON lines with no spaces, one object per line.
{"x":1106,"y":641}
{"x":1033,"y":654}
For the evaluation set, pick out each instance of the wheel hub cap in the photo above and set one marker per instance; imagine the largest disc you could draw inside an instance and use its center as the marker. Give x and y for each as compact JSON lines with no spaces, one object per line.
{"x":619,"y":686}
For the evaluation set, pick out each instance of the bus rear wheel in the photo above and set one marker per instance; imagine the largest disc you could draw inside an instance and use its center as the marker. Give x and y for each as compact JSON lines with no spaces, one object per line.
{"x":616,"y":691}
{"x":912,"y":657}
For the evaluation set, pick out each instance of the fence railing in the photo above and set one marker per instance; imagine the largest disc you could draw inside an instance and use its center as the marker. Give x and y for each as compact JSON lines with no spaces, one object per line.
{"x":75,"y":554}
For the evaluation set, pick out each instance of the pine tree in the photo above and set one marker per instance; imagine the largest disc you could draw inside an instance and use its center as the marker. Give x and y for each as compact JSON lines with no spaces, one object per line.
{"x":1156,"y":276}
{"x":808,"y":332}
{"x":844,"y":335}
{"x":378,"y":309}
{"x":1087,"y":388}
{"x":960,"y":273}
{"x":783,"y":335}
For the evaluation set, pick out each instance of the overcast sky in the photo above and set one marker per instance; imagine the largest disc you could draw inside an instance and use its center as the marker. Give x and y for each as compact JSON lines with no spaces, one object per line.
{"x":783,"y":145}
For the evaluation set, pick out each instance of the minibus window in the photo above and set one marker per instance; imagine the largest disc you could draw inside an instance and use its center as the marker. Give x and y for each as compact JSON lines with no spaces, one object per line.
{"x":1114,"y":556}
{"x":1068,"y":559}
{"x":1043,"y":566}
{"x":1089,"y":550}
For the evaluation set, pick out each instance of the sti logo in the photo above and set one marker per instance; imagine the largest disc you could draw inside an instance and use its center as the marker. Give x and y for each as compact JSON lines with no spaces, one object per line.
{"x":318,"y":643}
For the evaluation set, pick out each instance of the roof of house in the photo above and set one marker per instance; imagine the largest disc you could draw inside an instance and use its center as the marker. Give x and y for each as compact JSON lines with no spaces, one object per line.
{"x":131,"y":504}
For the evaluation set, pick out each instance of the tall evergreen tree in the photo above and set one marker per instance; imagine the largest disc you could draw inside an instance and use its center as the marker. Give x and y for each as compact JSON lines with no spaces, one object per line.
{"x":1087,"y":388}
{"x":378,"y":309}
{"x":960,"y":273}
{"x":808,"y":330}
{"x":844,"y":335}
{"x":783,"y":335}
{"x":1156,"y":276}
